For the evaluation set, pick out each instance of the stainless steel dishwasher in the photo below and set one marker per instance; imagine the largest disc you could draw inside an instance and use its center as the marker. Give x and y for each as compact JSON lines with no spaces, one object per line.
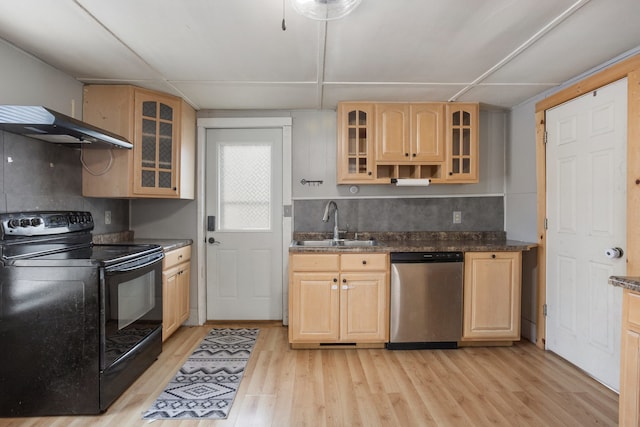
{"x":426,"y":300}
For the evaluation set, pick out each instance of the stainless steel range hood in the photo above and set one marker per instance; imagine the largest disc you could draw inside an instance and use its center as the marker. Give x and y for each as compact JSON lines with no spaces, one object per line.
{"x":51,"y":126}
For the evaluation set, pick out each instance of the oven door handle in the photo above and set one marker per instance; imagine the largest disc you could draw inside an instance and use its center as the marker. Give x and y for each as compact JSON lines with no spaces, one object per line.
{"x":138,"y":266}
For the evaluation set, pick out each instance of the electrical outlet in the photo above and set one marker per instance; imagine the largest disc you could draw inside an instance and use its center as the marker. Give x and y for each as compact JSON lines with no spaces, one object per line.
{"x":107,"y":217}
{"x":457,"y":217}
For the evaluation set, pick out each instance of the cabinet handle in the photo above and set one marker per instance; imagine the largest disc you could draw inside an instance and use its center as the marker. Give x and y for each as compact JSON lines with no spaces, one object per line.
{"x":414,"y":154}
{"x":344,"y":280}
{"x":335,"y":280}
{"x":493,"y":256}
{"x":406,"y":154}
{"x":369,"y":173}
{"x":364,"y":262}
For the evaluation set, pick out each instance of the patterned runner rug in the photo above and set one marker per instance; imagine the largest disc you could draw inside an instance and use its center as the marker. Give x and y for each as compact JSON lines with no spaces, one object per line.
{"x":205,"y":386}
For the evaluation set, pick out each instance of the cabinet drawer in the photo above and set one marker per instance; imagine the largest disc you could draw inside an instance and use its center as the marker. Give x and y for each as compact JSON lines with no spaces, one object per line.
{"x":176,"y":256}
{"x":363,"y":262}
{"x":633,"y":313}
{"x":313,"y":262}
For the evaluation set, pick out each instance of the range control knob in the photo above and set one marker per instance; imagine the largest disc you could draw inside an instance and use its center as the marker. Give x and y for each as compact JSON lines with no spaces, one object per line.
{"x":13,"y":223}
{"x":36,"y":222}
{"x":25,"y":222}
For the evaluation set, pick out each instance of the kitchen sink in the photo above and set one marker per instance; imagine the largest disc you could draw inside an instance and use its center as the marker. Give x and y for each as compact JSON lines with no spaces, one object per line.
{"x":334,"y":243}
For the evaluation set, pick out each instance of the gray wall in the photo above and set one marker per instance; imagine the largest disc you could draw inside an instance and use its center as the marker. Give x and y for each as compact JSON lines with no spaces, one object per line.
{"x":314,"y":136}
{"x":41,"y":176}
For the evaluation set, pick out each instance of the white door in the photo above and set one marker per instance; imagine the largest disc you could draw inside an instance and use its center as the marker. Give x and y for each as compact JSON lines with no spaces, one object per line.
{"x":586,"y":213}
{"x":243,"y":180}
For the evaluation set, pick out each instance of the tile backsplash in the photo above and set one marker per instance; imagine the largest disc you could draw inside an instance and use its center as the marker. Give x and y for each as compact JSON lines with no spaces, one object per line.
{"x":403,"y":214}
{"x":38,"y":175}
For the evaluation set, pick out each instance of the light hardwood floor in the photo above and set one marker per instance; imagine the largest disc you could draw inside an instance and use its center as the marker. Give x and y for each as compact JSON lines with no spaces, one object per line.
{"x":497,"y":386}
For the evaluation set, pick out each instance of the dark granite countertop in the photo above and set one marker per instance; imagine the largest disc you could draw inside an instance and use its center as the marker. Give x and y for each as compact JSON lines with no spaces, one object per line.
{"x":418,"y":242}
{"x":167,"y":244}
{"x":631,"y":283}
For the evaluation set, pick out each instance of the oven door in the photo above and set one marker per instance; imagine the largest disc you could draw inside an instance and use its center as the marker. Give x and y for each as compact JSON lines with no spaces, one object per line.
{"x":131,"y":306}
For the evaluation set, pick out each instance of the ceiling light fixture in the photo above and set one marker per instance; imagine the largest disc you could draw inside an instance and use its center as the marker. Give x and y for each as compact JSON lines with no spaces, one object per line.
{"x":324,"y":10}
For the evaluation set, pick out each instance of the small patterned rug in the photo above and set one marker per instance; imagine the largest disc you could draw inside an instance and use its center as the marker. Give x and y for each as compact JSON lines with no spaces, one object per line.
{"x":205,"y":386}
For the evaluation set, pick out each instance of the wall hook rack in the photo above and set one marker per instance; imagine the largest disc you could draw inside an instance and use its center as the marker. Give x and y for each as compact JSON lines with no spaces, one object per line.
{"x":315,"y":183}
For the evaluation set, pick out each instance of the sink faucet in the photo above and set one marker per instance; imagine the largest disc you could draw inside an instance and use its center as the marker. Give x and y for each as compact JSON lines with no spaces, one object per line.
{"x":325,"y":218}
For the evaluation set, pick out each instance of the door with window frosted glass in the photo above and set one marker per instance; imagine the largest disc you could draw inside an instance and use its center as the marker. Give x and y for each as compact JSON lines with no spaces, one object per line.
{"x":244,"y":207}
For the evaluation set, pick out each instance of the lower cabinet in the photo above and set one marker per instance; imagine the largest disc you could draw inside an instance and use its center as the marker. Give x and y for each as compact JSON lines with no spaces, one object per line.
{"x":338,"y":298}
{"x":176,"y":270}
{"x":492,"y":288}
{"x":630,"y":361}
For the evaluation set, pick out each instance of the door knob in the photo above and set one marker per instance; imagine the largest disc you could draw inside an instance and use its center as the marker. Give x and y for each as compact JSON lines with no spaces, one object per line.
{"x":613,"y":253}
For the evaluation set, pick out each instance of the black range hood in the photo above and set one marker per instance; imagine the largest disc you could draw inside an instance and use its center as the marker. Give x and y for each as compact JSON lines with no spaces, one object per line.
{"x":51,"y":126}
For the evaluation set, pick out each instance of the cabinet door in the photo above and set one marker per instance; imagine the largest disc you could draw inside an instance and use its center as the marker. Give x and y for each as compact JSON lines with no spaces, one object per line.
{"x":314,"y":311}
{"x":392,"y":133}
{"x":364,"y":312}
{"x":355,"y":143}
{"x":630,"y":379}
{"x":462,"y":142}
{"x":157,"y":121}
{"x":492,"y":296}
{"x":630,"y":360}
{"x":169,"y":303}
{"x":427,"y":132}
{"x":182,"y":290}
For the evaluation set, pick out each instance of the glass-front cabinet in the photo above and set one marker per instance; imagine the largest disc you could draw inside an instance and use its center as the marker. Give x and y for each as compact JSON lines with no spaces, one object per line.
{"x":462,"y":143}
{"x":162,"y":130}
{"x":355,"y":149}
{"x":155,"y":165}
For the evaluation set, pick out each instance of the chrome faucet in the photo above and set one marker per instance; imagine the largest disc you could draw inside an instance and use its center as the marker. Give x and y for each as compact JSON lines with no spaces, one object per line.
{"x":325,"y":218}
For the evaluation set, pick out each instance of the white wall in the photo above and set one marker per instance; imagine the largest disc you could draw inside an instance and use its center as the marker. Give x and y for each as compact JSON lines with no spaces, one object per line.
{"x":25,"y":80}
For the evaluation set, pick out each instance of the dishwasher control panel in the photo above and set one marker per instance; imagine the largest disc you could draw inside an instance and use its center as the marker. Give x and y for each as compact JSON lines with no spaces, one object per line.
{"x":410,"y":257}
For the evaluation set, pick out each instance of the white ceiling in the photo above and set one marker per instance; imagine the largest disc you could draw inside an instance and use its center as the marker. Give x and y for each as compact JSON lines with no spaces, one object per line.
{"x":233,"y":54}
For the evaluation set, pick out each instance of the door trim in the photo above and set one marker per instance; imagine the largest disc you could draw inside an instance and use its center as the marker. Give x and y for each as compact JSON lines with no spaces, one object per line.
{"x":287,"y":226}
{"x":629,"y":68}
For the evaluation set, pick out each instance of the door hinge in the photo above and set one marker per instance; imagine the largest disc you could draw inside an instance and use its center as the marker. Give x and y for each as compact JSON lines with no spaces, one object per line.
{"x":544,"y":310}
{"x":545,"y":137}
{"x":546,"y":224}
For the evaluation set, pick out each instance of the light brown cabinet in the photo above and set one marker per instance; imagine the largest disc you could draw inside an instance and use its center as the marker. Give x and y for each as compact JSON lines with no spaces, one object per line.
{"x":356,"y":150}
{"x":338,"y":298}
{"x":462,"y":143}
{"x":176,"y":272}
{"x":629,"y":414}
{"x":162,"y":130}
{"x":379,"y":142}
{"x":491,"y":298}
{"x":409,"y":132}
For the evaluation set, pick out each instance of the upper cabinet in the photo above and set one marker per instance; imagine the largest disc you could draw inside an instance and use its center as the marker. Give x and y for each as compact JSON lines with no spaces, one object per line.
{"x":462,"y":143}
{"x":438,"y":141}
{"x":409,"y":132}
{"x":162,"y":130}
{"x":356,"y":148}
